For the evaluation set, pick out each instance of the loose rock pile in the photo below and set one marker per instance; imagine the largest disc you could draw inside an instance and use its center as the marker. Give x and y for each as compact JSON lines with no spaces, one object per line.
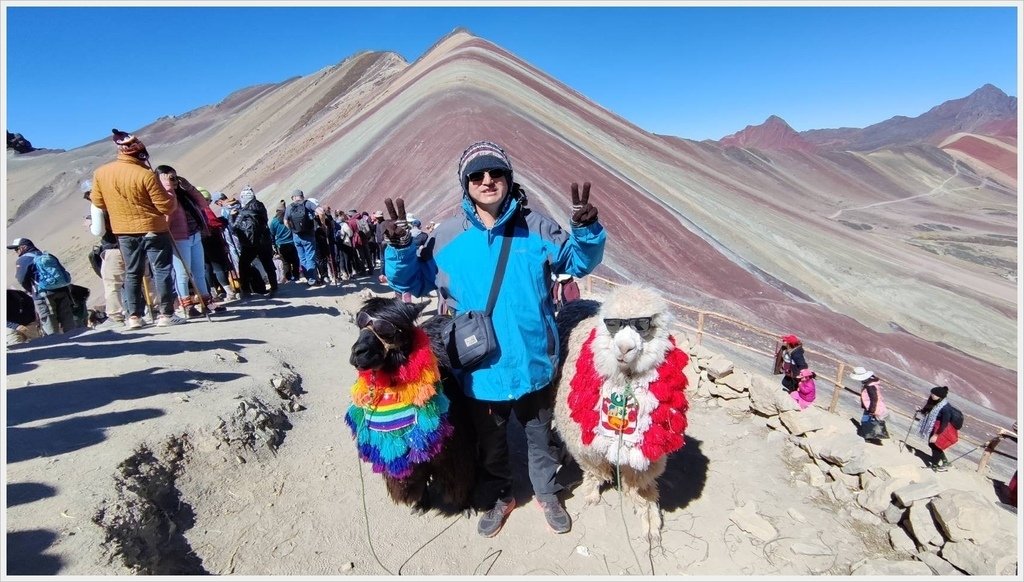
{"x":932,"y":528}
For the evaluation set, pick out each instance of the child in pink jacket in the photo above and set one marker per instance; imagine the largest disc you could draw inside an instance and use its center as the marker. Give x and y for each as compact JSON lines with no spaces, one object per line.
{"x":805,"y":390}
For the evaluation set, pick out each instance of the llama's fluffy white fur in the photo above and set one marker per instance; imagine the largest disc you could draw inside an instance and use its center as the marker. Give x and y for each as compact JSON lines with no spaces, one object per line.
{"x":625,"y":357}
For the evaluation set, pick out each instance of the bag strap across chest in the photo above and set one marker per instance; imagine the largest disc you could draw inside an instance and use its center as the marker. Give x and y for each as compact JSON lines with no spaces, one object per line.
{"x":499,"y":271}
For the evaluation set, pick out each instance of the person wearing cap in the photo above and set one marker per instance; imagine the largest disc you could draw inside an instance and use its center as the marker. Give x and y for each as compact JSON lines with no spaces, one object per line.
{"x":138,"y":206}
{"x":111,"y":263}
{"x":219,"y":268}
{"x":304,"y":239}
{"x":806,"y":390}
{"x":459,"y":261}
{"x":790,"y":361}
{"x":283,"y":244}
{"x":55,"y":307}
{"x":871,"y":399}
{"x":937,"y":426}
{"x":378,"y":236}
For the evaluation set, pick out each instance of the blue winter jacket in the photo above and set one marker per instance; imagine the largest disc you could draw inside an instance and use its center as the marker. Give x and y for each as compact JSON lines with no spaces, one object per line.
{"x":459,"y":261}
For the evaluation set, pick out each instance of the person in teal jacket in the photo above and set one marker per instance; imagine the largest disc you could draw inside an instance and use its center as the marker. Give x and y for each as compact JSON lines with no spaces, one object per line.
{"x":459,"y":260}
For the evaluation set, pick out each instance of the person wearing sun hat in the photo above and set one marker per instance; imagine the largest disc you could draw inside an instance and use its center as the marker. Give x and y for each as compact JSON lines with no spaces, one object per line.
{"x":871,"y":398}
{"x":806,"y":390}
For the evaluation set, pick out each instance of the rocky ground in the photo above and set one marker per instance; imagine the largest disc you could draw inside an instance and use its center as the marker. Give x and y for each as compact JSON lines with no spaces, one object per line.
{"x":219,"y":447}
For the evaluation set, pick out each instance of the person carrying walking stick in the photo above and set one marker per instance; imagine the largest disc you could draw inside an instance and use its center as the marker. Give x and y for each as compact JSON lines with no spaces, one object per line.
{"x":937,"y":425}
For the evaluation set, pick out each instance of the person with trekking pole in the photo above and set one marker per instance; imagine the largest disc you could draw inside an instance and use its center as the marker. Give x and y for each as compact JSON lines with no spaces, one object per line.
{"x":130,"y":193}
{"x":937,"y":425}
{"x":188,"y":226}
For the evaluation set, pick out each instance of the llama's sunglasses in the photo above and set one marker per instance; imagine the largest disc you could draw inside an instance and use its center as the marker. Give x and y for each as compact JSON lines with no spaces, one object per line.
{"x":382,"y":327}
{"x":640,"y":324}
{"x":496,"y":174}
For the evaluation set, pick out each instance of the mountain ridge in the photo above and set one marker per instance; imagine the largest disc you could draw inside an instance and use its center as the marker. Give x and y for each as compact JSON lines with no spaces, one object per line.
{"x":768,"y":236}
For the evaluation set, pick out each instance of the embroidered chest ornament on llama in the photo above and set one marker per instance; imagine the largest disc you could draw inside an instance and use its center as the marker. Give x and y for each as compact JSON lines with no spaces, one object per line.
{"x":400,"y":418}
{"x":633,"y":423}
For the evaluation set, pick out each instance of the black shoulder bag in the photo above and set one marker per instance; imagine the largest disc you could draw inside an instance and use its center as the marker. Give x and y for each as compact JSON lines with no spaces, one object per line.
{"x":470,"y":335}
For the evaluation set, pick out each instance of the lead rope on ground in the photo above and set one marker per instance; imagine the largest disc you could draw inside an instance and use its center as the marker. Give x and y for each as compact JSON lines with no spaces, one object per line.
{"x":427,"y":543}
{"x":618,"y":485}
{"x":362,"y":495}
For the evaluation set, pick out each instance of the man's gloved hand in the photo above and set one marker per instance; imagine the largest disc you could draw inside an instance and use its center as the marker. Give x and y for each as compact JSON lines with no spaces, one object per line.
{"x":396,"y":228}
{"x":583,"y":212}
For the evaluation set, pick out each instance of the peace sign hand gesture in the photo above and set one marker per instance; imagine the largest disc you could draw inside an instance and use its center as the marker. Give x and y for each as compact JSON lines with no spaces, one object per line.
{"x":583,"y":212}
{"x":396,"y":228}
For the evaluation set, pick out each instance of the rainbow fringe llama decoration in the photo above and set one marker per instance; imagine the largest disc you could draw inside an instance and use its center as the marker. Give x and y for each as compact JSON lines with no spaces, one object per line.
{"x":400,"y":419}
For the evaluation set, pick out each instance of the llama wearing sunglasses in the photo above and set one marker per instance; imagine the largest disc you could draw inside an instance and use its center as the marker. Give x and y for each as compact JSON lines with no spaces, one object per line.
{"x":620,"y":402}
{"x":408,"y":414}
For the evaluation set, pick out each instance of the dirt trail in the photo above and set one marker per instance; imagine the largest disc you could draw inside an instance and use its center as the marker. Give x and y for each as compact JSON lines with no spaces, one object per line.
{"x":240,"y":476}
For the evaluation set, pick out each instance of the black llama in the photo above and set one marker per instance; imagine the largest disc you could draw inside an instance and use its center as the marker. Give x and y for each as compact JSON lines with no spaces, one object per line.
{"x":408,"y":413}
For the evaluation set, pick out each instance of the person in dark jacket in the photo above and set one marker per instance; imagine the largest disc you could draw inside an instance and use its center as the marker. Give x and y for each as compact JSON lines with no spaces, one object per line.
{"x":54,"y":306}
{"x":260,"y":246}
{"x":790,"y":361}
{"x":937,"y":426}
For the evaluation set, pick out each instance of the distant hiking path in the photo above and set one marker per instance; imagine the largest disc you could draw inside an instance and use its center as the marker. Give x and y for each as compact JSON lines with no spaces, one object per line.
{"x":935,"y":190}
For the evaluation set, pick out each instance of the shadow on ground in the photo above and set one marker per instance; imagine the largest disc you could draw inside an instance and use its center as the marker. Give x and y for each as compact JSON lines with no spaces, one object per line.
{"x":111,"y":344}
{"x":26,"y":553}
{"x":36,"y":402}
{"x":72,"y":434}
{"x":21,"y":493}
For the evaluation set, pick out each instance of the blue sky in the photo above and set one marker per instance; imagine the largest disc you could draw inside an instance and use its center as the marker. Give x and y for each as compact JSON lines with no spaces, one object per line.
{"x":696,"y":72}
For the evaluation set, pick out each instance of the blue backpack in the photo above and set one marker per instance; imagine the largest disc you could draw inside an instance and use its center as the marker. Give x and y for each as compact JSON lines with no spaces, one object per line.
{"x":50,"y":274}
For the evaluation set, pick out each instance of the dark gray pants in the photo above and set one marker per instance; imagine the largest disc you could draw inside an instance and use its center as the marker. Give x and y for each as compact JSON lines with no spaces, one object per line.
{"x":137,"y":249}
{"x":534,"y":412}
{"x":56,"y":314}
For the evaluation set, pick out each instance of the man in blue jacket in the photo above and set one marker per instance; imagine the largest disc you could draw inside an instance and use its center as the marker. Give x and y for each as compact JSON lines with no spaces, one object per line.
{"x":459,"y":260}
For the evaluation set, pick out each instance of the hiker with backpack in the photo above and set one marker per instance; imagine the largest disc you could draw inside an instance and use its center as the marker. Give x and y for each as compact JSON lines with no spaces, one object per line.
{"x":940,"y":422}
{"x":283,"y":244}
{"x":41,"y":275}
{"x":252,"y":226}
{"x":301,"y":219}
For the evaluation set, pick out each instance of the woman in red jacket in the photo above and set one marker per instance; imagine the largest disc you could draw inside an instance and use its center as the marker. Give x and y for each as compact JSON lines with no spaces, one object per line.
{"x":938,"y":427}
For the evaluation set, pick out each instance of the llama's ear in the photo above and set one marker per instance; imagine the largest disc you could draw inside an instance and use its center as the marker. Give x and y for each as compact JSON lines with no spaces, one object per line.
{"x":418,"y":308}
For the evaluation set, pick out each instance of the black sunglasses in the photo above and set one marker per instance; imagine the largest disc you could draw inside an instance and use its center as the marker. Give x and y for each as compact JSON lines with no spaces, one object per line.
{"x":496,"y":174}
{"x":640,"y":324}
{"x":381,"y":327}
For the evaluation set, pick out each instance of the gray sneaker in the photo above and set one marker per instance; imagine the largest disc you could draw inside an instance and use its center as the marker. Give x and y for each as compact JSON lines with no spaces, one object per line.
{"x":492,"y":519}
{"x":111,"y":323}
{"x":556,"y":516}
{"x":168,"y":320}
